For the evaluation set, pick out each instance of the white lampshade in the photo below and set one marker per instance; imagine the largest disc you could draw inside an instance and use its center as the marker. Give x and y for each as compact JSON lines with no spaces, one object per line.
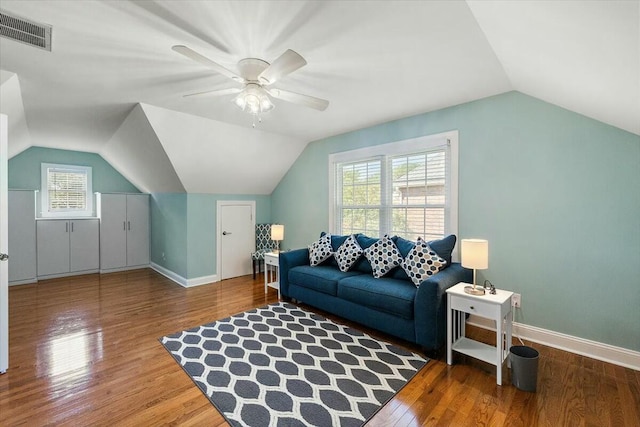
{"x":277,"y":232}
{"x":475,"y":254}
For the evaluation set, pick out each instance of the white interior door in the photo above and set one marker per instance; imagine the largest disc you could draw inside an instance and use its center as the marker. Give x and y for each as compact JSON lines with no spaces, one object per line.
{"x":4,"y":248}
{"x":236,"y":237}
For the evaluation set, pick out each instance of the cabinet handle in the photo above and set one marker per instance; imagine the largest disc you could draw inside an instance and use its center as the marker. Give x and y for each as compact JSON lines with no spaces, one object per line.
{"x":472,"y":308}
{"x":129,"y":225}
{"x":66,"y":227}
{"x":72,"y":227}
{"x":124,"y":225}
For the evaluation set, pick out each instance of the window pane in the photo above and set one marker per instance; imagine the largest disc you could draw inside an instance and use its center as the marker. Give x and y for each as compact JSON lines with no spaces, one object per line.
{"x":372,"y":222}
{"x":435,"y":179}
{"x":347,"y":196}
{"x":434,"y":223}
{"x":409,"y":180}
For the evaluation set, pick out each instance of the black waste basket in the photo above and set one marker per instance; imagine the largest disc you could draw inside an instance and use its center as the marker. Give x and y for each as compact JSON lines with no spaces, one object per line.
{"x":524,"y":367}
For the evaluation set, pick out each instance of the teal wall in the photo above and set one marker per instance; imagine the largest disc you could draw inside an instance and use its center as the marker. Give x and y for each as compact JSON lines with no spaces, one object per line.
{"x":24,"y":169}
{"x":169,"y":231}
{"x":183,"y":226}
{"x":556,"y":194}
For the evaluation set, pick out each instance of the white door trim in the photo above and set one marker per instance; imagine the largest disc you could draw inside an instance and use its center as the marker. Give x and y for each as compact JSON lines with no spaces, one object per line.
{"x":4,"y":245}
{"x":219,"y":205}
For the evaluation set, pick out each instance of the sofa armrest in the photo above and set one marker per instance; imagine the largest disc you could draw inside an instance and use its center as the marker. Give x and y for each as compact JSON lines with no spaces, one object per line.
{"x":430,"y":306}
{"x":287,"y":261}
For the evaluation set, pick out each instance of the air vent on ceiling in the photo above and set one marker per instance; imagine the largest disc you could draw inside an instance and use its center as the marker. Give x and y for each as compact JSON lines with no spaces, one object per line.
{"x":25,"y":31}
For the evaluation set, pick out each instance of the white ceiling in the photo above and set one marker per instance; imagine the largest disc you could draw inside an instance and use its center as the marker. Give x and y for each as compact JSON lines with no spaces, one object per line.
{"x":374,"y":61}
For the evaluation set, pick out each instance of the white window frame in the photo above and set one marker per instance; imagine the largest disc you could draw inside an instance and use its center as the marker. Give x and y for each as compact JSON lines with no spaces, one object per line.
{"x":400,"y":148}
{"x":44,"y":190}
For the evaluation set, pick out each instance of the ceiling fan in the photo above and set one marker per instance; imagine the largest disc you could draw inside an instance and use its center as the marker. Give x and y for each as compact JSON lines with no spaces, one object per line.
{"x":256,"y":76}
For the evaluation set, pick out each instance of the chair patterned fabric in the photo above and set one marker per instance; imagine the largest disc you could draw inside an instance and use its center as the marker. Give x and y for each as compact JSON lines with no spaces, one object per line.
{"x":264,"y":244}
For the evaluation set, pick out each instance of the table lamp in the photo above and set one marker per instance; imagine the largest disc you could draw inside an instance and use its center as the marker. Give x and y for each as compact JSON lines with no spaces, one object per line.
{"x":475,"y":255}
{"x":277,"y":234}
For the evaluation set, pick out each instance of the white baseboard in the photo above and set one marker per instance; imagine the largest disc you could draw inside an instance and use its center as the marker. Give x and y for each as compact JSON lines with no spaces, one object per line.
{"x":203,"y":280}
{"x":23,"y":282}
{"x":593,"y":349}
{"x":119,"y":269}
{"x":182,"y":281}
{"x":75,"y":273}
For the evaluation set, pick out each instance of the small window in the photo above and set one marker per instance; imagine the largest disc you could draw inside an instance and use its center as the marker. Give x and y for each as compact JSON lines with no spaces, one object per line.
{"x":66,"y":190}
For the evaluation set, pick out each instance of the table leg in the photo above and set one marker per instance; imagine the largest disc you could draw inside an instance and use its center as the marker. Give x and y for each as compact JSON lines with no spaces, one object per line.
{"x":499,"y":350}
{"x":509,"y":336}
{"x":266,"y":274}
{"x":449,"y":330}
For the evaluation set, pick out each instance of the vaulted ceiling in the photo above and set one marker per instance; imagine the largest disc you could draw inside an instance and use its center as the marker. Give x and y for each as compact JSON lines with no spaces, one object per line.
{"x":112,"y":85}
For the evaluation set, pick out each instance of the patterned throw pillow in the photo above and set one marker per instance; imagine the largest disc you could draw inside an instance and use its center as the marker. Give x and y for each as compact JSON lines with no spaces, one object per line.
{"x":422,"y":262}
{"x":348,"y":253}
{"x":383,"y":256}
{"x":320,"y":250}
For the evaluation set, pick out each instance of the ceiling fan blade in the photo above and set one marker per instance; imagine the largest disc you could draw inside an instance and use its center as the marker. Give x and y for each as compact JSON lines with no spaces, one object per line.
{"x":216,"y":92}
{"x":286,"y":63}
{"x":296,"y":98}
{"x":192,"y":54}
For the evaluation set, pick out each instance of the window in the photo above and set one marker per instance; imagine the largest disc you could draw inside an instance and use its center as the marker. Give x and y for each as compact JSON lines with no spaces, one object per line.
{"x":406,"y":188}
{"x":66,"y":190}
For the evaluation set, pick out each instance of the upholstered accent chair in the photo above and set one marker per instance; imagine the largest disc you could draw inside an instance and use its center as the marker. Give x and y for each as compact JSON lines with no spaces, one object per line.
{"x":264,"y":244}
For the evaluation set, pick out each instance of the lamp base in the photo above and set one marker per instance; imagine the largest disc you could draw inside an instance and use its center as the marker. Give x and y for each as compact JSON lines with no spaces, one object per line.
{"x":474,"y":291}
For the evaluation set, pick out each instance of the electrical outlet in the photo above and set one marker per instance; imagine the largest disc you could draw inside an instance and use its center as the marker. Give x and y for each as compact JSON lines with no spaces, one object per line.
{"x":516,"y":300}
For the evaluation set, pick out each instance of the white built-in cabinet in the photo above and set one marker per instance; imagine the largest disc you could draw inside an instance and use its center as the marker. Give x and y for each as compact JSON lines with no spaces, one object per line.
{"x":67,"y":246}
{"x":22,"y":236}
{"x":124,"y":231}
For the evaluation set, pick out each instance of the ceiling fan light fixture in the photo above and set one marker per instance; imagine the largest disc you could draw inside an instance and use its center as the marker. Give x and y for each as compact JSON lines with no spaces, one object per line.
{"x":254,"y":100}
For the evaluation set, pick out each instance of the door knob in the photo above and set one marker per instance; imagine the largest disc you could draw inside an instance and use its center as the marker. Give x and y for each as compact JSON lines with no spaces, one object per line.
{"x":4,"y":257}
{"x":224,"y":233}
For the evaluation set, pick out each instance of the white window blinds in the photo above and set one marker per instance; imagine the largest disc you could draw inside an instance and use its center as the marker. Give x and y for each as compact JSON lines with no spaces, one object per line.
{"x":418,"y":195}
{"x":66,"y":190}
{"x":404,"y":190}
{"x":360,"y":201}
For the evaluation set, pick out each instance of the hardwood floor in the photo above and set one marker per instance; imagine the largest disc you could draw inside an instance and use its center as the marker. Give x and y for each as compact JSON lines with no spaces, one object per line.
{"x":85,"y":351}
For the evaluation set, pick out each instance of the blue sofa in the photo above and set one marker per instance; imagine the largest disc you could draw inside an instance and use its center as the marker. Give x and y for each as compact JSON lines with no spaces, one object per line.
{"x":391,"y":304}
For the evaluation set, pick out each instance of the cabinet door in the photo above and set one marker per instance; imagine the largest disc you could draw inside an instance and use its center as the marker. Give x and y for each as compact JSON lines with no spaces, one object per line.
{"x":52,"y":246}
{"x":22,"y":236}
{"x":84,"y":244}
{"x":137,"y":229}
{"x":113,"y":231}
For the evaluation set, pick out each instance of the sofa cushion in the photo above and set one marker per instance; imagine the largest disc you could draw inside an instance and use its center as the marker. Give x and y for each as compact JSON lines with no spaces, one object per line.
{"x":443,"y":247}
{"x":322,"y":278}
{"x":348,"y":253}
{"x":336,"y":241}
{"x":422,"y":262}
{"x":363,"y":264}
{"x":320,"y":250}
{"x":388,"y":295}
{"x":383,"y":256}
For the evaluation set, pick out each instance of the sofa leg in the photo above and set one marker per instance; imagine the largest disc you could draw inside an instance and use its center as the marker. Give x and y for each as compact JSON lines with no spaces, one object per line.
{"x":254,"y":269}
{"x":434,"y":354}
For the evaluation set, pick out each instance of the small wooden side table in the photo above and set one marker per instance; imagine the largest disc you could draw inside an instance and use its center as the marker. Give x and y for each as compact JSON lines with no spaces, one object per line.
{"x":272,"y":271}
{"x":496,"y":307}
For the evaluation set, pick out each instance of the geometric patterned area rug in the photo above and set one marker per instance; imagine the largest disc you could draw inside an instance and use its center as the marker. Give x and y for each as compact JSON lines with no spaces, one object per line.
{"x":280,"y":365}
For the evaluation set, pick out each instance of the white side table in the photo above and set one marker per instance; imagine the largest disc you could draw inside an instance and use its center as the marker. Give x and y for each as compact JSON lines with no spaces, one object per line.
{"x":272,"y":271}
{"x":496,"y":307}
